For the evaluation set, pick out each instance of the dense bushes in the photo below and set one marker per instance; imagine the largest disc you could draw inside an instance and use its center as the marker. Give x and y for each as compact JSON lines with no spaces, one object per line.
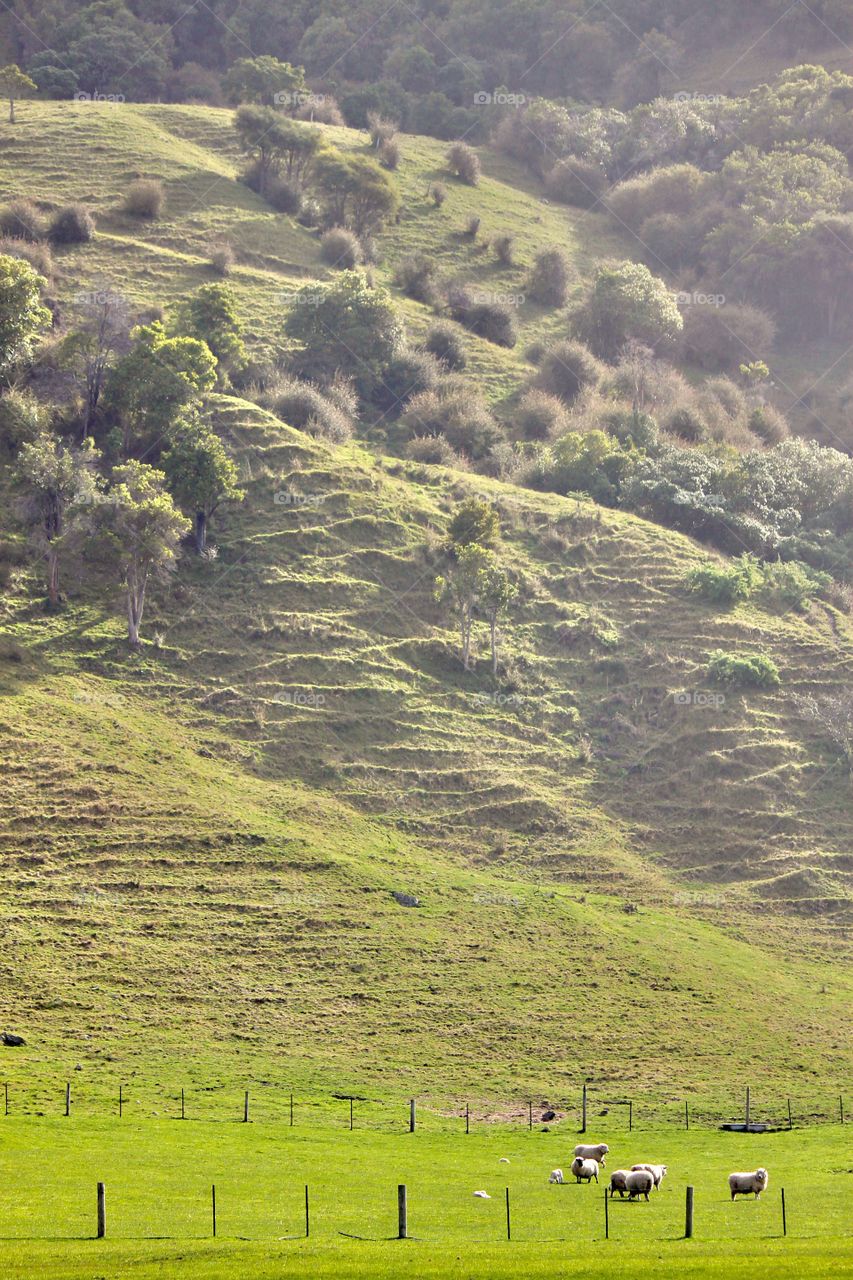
{"x":417,"y":276}
{"x":722,"y":338}
{"x":566,"y":369}
{"x":577,"y":182}
{"x":464,"y":162}
{"x":541,"y":416}
{"x":453,"y":410}
{"x":752,"y":669}
{"x":484,"y":315}
{"x":548,"y":278}
{"x":303,"y":405}
{"x":445,"y":343}
{"x":340,"y":248}
{"x":72,"y":225}
{"x":144,"y":199}
{"x":23,"y":220}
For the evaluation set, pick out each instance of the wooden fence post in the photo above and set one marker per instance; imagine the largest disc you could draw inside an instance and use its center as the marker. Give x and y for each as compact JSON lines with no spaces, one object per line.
{"x":790,"y":1117}
{"x":686,"y":1114}
{"x":583,"y":1110}
{"x":350,"y":1114}
{"x":291,"y":1111}
{"x":183,"y":1110}
{"x":841,"y":1109}
{"x":747,"y":1108}
{"x":307,"y":1216}
{"x":402,"y":1213}
{"x":688,"y":1215}
{"x":467,"y":1119}
{"x":412,"y":1115}
{"x":530,"y":1115}
{"x":6,"y":1112}
{"x":606,"y":1216}
{"x":102,"y":1211}
{"x":508,"y":1222}
{"x":213,"y":1206}
{"x":68,"y":1098}
{"x":784,"y":1215}
{"x":120,"y":1101}
{"x":630,"y":1117}
{"x":246,"y":1108}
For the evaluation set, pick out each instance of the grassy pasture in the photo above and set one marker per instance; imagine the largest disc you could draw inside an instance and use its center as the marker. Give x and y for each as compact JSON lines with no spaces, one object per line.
{"x":158,"y":1177}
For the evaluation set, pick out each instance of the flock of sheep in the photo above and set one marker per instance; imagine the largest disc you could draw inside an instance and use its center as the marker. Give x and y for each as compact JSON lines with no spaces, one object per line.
{"x":640,"y":1179}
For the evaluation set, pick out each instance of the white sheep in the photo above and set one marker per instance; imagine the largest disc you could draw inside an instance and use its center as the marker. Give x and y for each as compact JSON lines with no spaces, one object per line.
{"x":482,"y":1195}
{"x":742,"y":1184}
{"x":584,"y":1170}
{"x":595,"y":1152}
{"x":639,"y":1182}
{"x":658,"y":1172}
{"x":617,"y":1182}
{"x":556,"y":1176}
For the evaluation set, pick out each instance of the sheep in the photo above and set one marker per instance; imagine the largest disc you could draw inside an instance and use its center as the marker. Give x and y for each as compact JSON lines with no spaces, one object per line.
{"x":639,"y":1182}
{"x":584,"y":1170}
{"x":596,"y":1152}
{"x":482,"y":1195}
{"x":658,"y":1172}
{"x":556,"y":1175}
{"x":617,"y":1183}
{"x":741,"y":1184}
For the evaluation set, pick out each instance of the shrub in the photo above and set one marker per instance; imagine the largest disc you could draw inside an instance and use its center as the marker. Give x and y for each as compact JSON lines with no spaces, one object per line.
{"x":72,"y":225}
{"x":144,"y":199}
{"x":23,"y":220}
{"x":768,"y":424}
{"x":626,"y":302}
{"x":417,"y":277}
{"x":472,"y":227}
{"x":380,"y":128}
{"x":504,"y":247}
{"x":438,"y":192}
{"x":284,"y":195}
{"x":548,"y":278}
{"x":791,"y":585}
{"x":491,"y":320}
{"x":726,"y":583}
{"x":407,"y":375}
{"x":541,"y":416}
{"x":671,"y":241}
{"x":222,"y":259}
{"x":577,"y":182}
{"x":389,"y":153}
{"x":566,"y":369}
{"x":455,"y":410}
{"x":687,"y":423}
{"x":37,"y":255}
{"x":674,"y":189}
{"x":753,"y":669}
{"x":720,"y":339}
{"x":321,"y":109}
{"x":311,"y":213}
{"x":304,"y":406}
{"x":22,"y":418}
{"x":445,"y":343}
{"x":340,"y":248}
{"x":464,"y":162}
{"x":435,"y":451}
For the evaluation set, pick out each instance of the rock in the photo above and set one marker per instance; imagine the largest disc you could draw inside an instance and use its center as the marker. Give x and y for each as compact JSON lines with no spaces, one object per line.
{"x":13,"y":1041}
{"x":549,"y":1115}
{"x":405,"y":899}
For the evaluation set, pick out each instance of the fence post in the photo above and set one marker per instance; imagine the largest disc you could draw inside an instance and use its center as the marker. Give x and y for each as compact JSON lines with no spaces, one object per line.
{"x":6,"y":1112}
{"x":530,"y":1115}
{"x":246,"y":1108}
{"x":841,"y":1109}
{"x":102,"y":1211}
{"x":68,"y":1099}
{"x":307,"y":1216}
{"x":606,"y":1216}
{"x":120,"y":1101}
{"x":508,"y":1223}
{"x":350,"y":1114}
{"x":784,"y":1215}
{"x":291,"y":1111}
{"x":790,"y":1117}
{"x":183,"y":1110}
{"x":402,"y":1213}
{"x":688,"y":1215}
{"x":747,"y":1108}
{"x":583,"y":1110}
{"x":686,"y":1114}
{"x":213,"y":1206}
{"x":467,"y":1119}
{"x":630,"y":1117}
{"x":412,"y":1116}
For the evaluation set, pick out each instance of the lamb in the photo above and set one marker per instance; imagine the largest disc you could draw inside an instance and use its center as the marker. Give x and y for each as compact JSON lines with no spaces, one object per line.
{"x":658,"y":1172}
{"x":741,"y":1184}
{"x":556,"y":1175}
{"x":584,"y":1170}
{"x":596,"y":1152}
{"x":617,"y":1182}
{"x":639,"y":1182}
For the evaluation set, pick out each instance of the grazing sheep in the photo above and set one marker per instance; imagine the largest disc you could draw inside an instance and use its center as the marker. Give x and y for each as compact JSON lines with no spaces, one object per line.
{"x":639,"y":1182}
{"x":556,"y":1175}
{"x":658,"y":1172}
{"x":617,"y":1182}
{"x":596,"y":1152}
{"x":584,"y":1170}
{"x":482,"y":1195}
{"x":741,"y":1184}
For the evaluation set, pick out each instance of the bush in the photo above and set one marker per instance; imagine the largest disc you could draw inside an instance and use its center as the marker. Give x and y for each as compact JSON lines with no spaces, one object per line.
{"x":464,"y":162}
{"x":37,"y":255}
{"x":674,"y":189}
{"x":504,"y":247}
{"x":566,"y":369}
{"x":284,"y":195}
{"x":687,"y":423}
{"x":472,"y":227}
{"x":311,"y":213}
{"x":752,"y":669}
{"x":144,"y":199}
{"x":455,"y":410}
{"x":22,"y":418}
{"x":491,"y":320}
{"x":445,"y":343}
{"x":541,"y":416}
{"x":435,"y":451}
{"x":321,"y":109}
{"x":23,"y":220}
{"x":578,"y":182}
{"x":720,"y":339}
{"x":726,"y":583}
{"x":72,"y":225}
{"x":768,"y":424}
{"x":340,"y":248}
{"x":222,"y":260}
{"x":407,"y":375}
{"x":791,"y":585}
{"x":671,"y":241}
{"x":417,"y":277}
{"x":380,"y":128}
{"x":304,"y":406}
{"x":438,"y":192}
{"x":389,"y":153}
{"x":548,"y":278}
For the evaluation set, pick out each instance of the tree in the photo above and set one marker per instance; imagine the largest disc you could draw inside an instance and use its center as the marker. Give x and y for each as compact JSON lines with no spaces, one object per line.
{"x":22,"y":313}
{"x":475,"y":521}
{"x":14,"y":83}
{"x":139,"y":532}
{"x":356,"y":191}
{"x":101,"y":334}
{"x":348,"y":326}
{"x":833,"y":712}
{"x":59,"y":484}
{"x":496,"y":591}
{"x":627,"y":301}
{"x":276,"y":142}
{"x":462,"y":584}
{"x":200,"y":475}
{"x":158,"y":378}
{"x":265,"y":80}
{"x":211,"y":316}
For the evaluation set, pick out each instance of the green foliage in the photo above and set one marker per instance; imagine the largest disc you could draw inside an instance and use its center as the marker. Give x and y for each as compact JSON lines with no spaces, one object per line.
{"x":200,"y":475}
{"x":626,"y":301}
{"x":345,"y":326}
{"x":445,"y":343}
{"x":589,"y":462}
{"x":475,"y":521}
{"x":211,"y":316}
{"x":548,"y":278}
{"x":22,"y":419}
{"x":59,"y":485}
{"x":791,"y":585}
{"x":144,"y":199}
{"x":14,"y":84}
{"x":265,"y":80}
{"x":22,"y":314}
{"x":754,"y":670}
{"x":276,"y":144}
{"x":149,"y":388}
{"x":355,"y":191}
{"x":726,"y":583}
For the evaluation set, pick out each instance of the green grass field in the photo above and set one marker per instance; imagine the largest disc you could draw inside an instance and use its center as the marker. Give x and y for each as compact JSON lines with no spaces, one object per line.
{"x":158,"y":1178}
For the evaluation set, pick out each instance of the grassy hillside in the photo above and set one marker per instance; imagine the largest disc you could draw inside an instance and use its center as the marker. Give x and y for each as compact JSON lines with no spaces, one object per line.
{"x":209,"y":833}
